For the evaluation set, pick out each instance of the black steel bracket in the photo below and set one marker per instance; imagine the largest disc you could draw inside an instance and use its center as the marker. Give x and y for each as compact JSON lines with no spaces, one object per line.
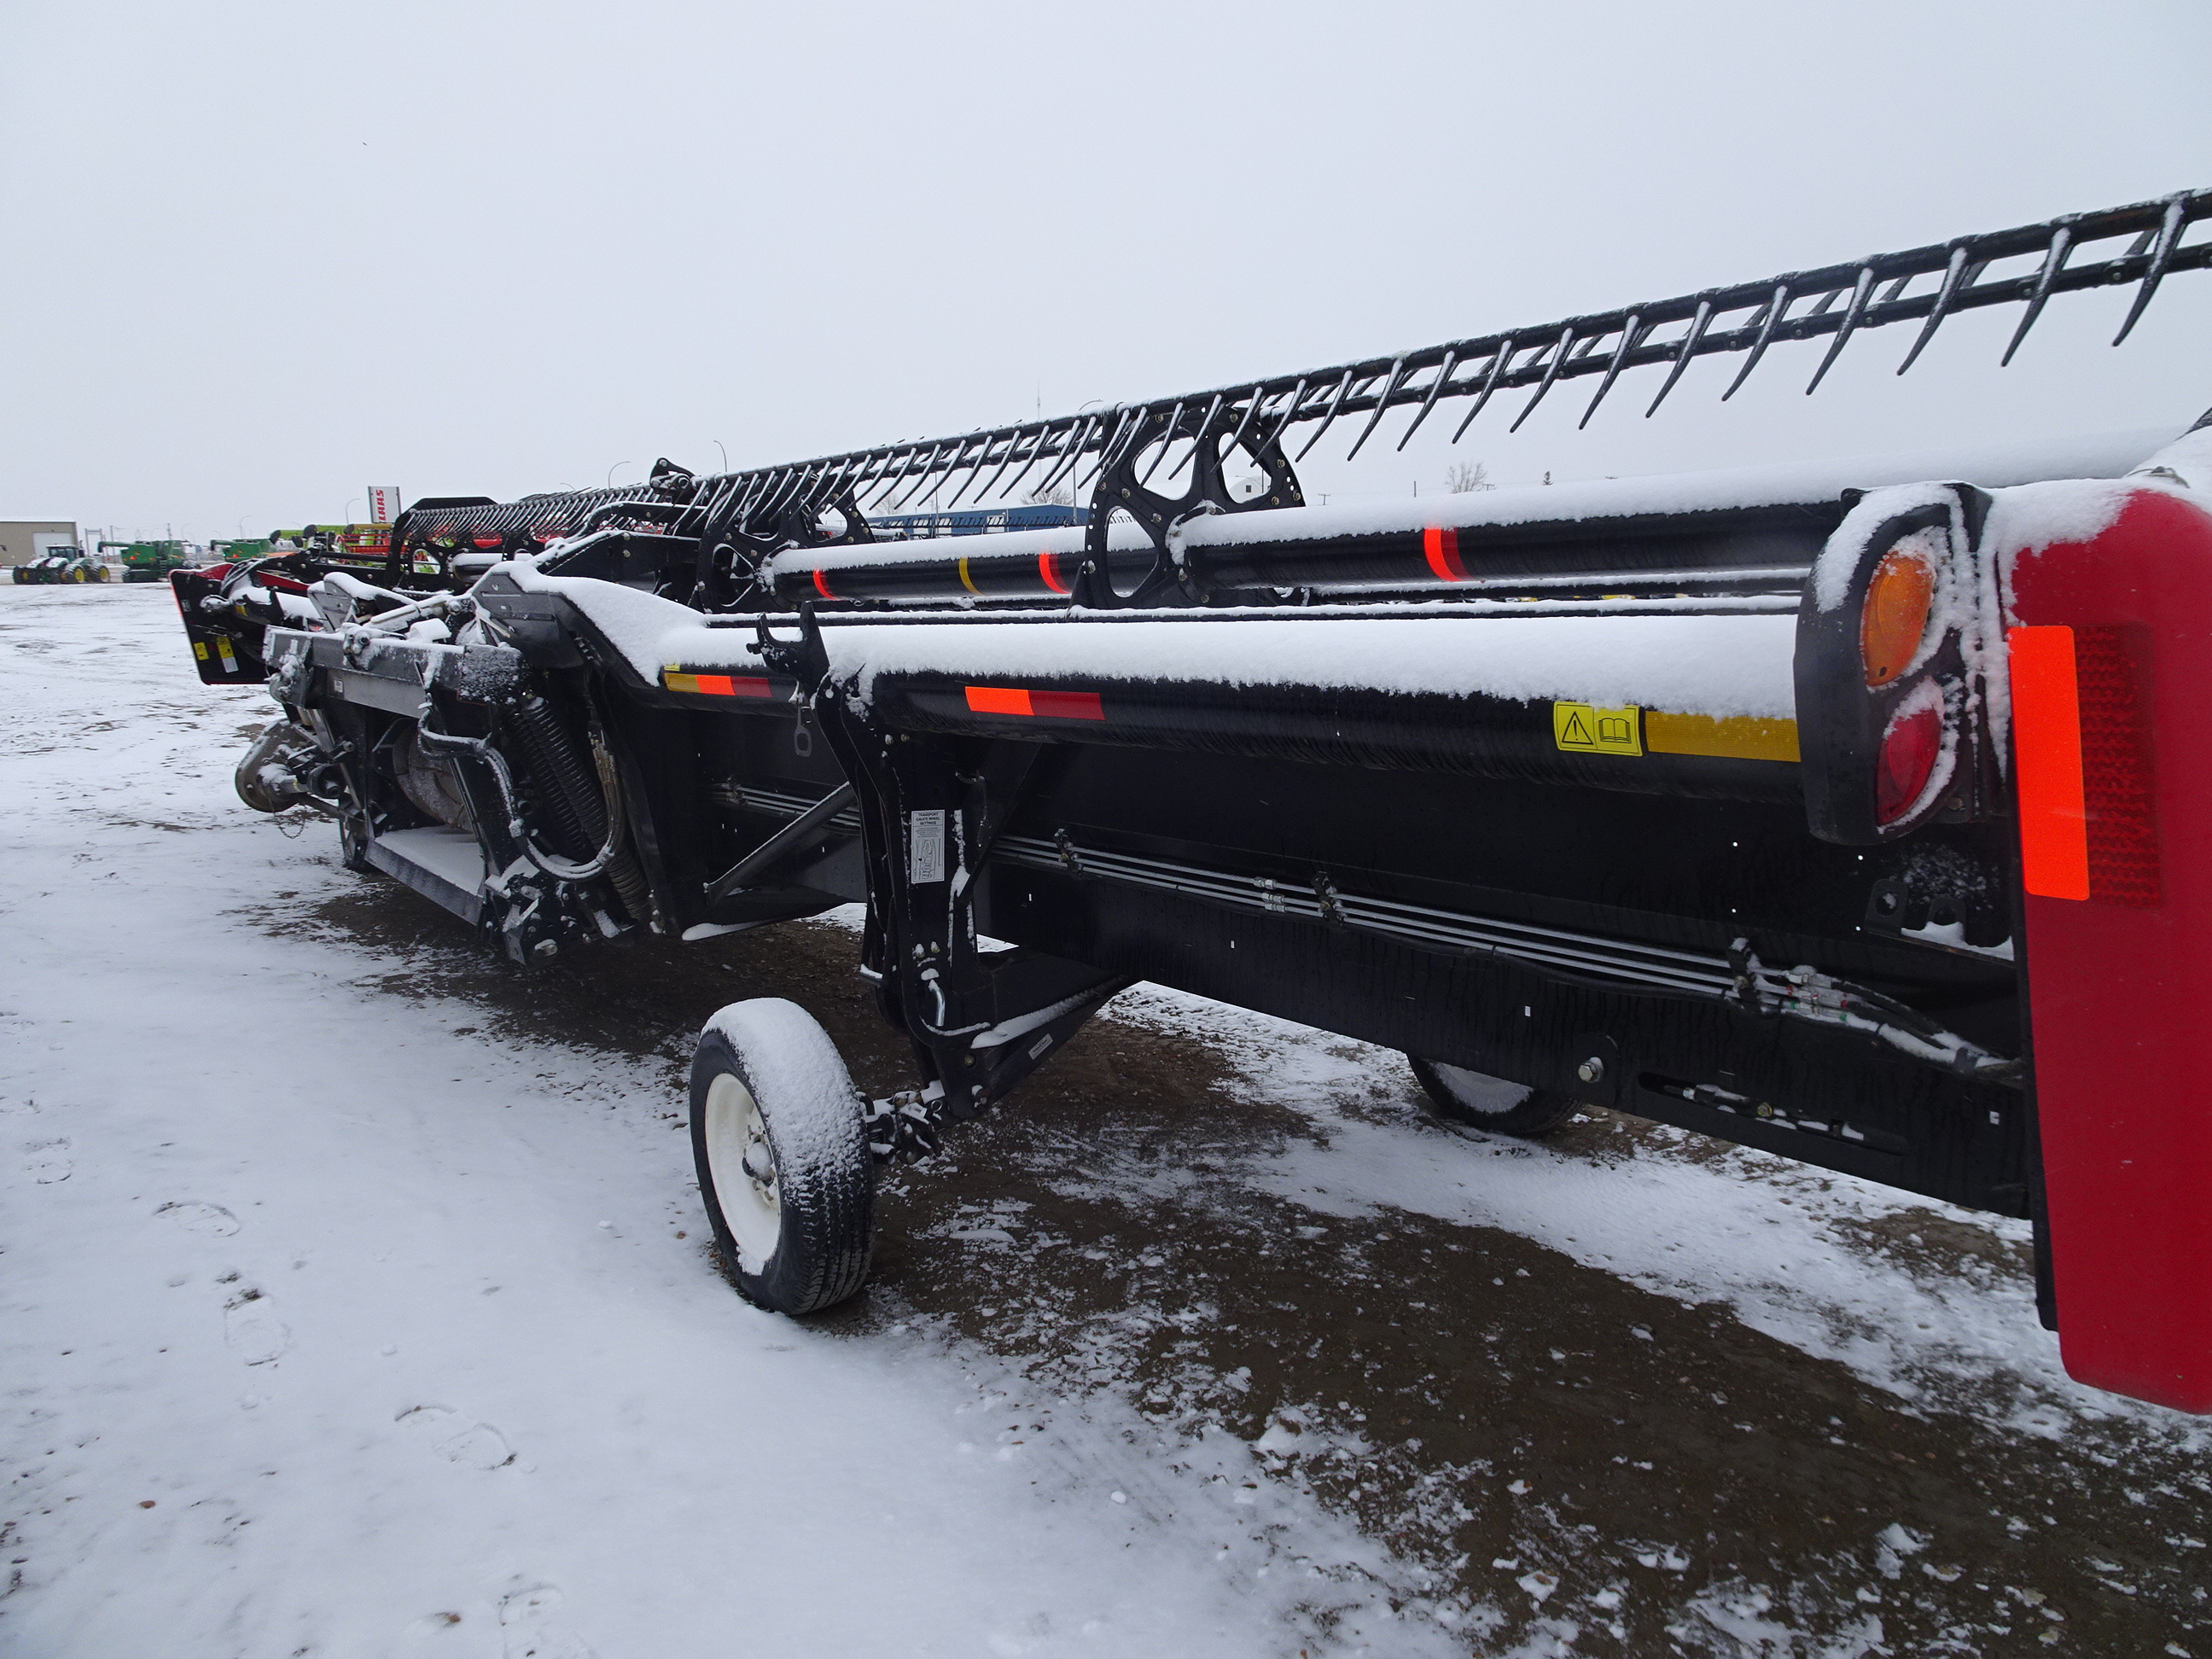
{"x":1105,"y":583}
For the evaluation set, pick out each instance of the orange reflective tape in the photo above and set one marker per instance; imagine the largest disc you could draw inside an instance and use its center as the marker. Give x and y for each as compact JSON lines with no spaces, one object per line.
{"x":2046,"y":747}
{"x":1045,"y":568}
{"x":1043,"y":705}
{"x":716,"y":685}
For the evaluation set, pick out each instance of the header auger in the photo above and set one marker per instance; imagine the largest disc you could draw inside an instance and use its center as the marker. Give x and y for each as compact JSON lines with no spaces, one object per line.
{"x":1845,"y":809}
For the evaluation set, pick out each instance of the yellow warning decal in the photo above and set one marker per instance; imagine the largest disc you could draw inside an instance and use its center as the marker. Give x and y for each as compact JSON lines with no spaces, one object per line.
{"x":1741,"y":738}
{"x":1582,"y":728}
{"x":223,"y":646}
{"x":199,"y":649}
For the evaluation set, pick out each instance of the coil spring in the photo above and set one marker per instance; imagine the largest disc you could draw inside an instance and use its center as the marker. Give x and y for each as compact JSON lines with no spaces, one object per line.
{"x":573,"y":794}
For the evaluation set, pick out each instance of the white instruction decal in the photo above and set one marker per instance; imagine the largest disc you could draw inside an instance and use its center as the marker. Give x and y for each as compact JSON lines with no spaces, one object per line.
{"x":925,"y":857}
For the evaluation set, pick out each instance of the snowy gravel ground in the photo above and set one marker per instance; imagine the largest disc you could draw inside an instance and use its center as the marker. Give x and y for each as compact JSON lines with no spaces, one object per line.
{"x":333,"y":1327}
{"x":1211,"y":1343}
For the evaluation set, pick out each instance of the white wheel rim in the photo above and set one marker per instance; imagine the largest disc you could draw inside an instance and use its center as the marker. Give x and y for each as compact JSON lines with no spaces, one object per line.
{"x":742,"y":1163}
{"x":1480,"y":1092}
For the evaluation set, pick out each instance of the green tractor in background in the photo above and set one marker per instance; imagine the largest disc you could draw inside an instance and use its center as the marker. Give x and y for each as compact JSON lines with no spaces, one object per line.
{"x":70,"y":567}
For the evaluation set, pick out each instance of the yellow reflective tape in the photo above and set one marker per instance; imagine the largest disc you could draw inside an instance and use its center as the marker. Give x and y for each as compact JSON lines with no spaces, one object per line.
{"x":676,"y":682}
{"x":967,"y":581}
{"x":1741,"y":738}
{"x":1582,"y":728}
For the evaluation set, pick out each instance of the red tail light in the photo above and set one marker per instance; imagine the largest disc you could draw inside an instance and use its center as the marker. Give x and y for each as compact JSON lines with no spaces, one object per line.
{"x":1909,"y":749}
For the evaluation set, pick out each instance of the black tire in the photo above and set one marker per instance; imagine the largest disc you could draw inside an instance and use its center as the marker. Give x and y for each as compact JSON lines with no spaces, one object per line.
{"x":1491,"y":1104}
{"x":781,"y":1148}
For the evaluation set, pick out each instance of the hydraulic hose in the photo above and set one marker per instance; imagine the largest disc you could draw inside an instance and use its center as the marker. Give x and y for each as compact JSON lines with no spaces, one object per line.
{"x":559,"y":868}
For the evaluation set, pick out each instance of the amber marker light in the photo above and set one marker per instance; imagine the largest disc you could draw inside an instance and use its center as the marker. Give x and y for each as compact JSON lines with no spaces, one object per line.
{"x":1898,"y":601}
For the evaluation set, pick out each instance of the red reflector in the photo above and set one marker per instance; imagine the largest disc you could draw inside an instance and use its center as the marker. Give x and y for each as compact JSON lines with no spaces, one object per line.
{"x":2112,"y":671}
{"x":484,"y":543}
{"x":729,"y":685}
{"x":1909,"y":749}
{"x":822,"y":587}
{"x":1048,"y":567}
{"x":1441,"y":547}
{"x":1067,"y":705}
{"x":1048,"y":705}
{"x":2046,"y":746}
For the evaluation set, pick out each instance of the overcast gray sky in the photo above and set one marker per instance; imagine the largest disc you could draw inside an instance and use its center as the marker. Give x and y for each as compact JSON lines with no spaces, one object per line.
{"x":259,"y":256}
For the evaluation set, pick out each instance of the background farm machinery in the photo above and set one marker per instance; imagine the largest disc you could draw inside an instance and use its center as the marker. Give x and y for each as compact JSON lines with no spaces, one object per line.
{"x":74,"y":567}
{"x":1841,"y":811}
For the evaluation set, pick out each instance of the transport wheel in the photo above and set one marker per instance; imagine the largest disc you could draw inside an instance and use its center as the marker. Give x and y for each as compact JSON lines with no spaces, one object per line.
{"x":782,"y":1153}
{"x":1483,"y":1101}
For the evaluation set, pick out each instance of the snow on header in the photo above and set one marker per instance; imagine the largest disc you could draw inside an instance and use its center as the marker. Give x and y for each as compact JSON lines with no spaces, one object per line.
{"x":2186,"y":463}
{"x":1721,"y":665}
{"x":1705,"y":664}
{"x":1121,"y":537}
{"x":1797,"y":481}
{"x":1718,"y":664}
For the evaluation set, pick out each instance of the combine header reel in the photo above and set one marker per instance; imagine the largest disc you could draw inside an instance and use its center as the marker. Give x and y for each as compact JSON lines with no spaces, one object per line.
{"x":1841,"y":811}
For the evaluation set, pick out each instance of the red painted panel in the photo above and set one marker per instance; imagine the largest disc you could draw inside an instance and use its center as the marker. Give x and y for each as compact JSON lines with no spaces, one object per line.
{"x":2118,"y":983}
